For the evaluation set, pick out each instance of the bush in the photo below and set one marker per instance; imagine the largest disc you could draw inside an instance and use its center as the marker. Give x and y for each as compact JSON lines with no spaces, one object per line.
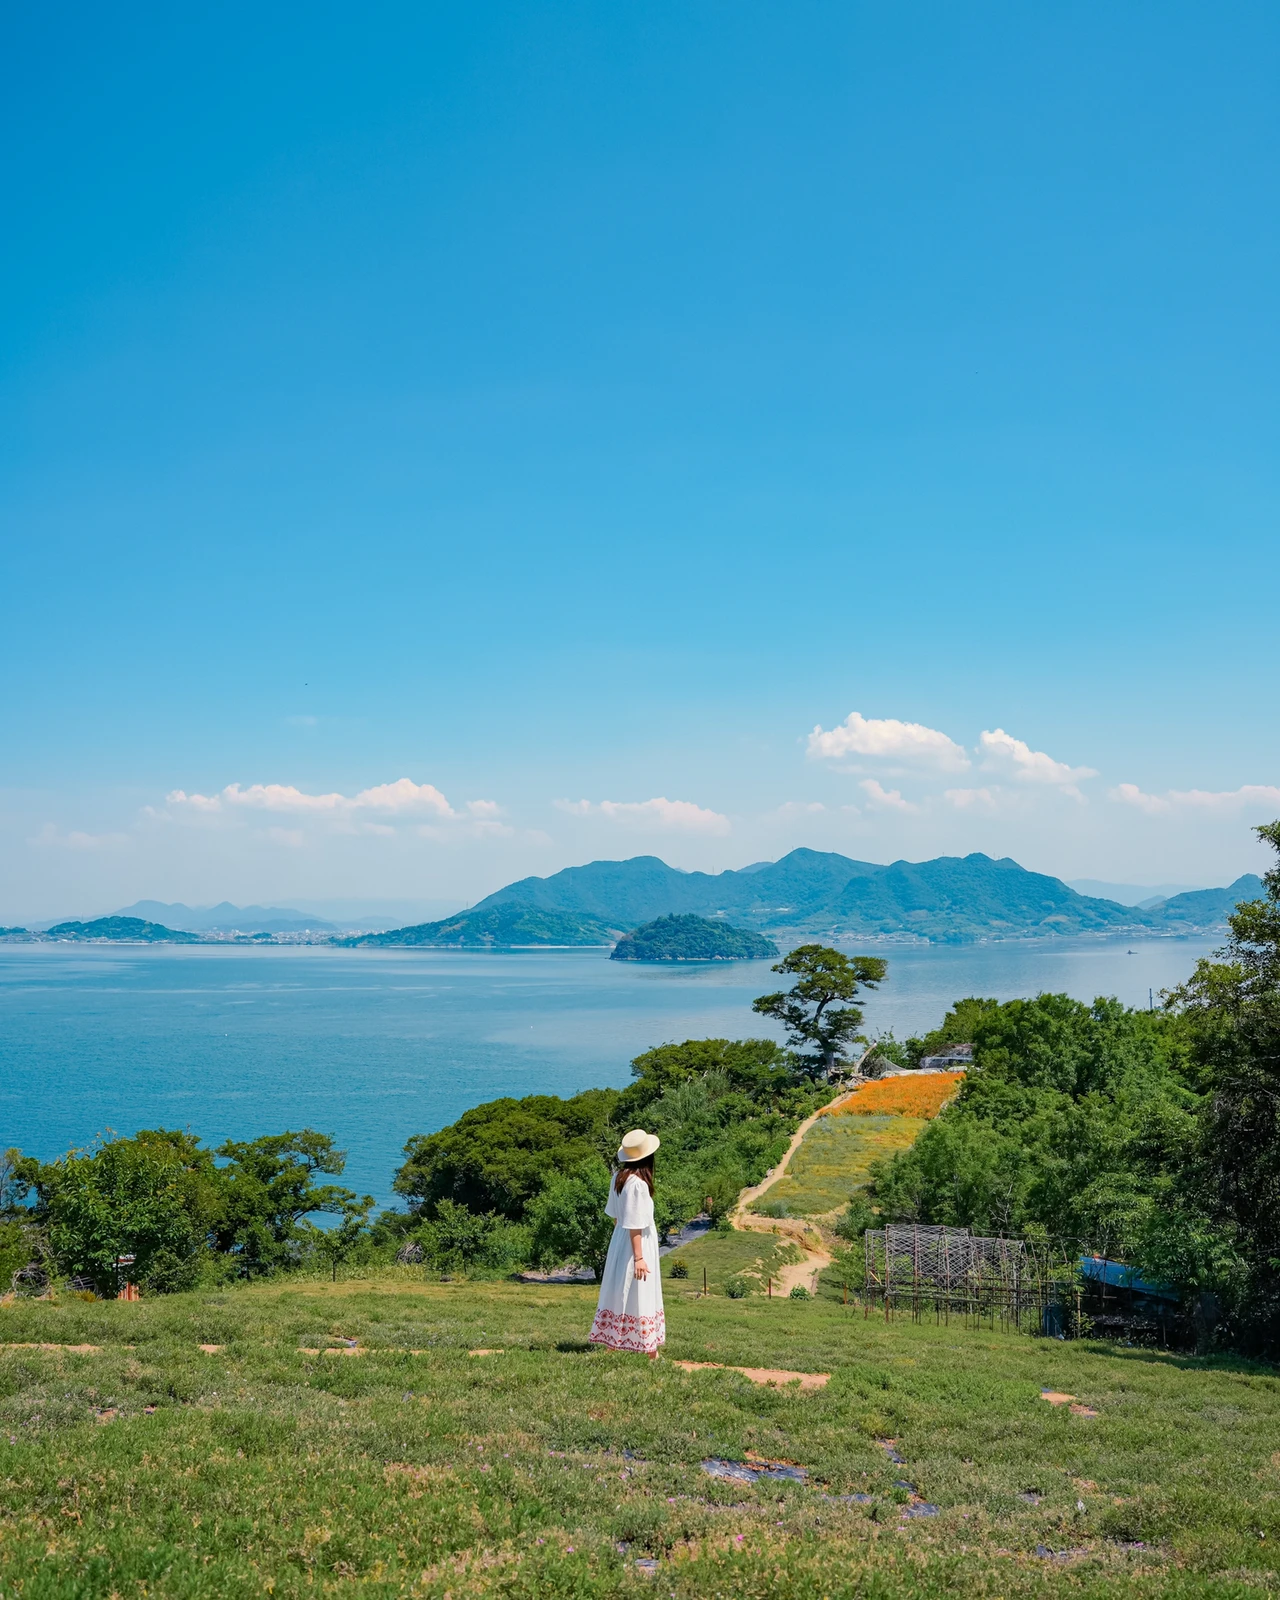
{"x":567,"y":1221}
{"x":856,"y":1218}
{"x":800,"y":1293}
{"x":458,"y":1240}
{"x":772,"y":1208}
{"x":736,"y":1288}
{"x":678,"y":1269}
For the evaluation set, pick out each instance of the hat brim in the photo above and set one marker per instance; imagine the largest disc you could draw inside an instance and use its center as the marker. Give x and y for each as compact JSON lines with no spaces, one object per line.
{"x":628,"y":1157}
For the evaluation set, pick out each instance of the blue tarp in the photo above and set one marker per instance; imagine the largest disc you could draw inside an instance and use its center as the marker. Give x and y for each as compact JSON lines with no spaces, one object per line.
{"x":1116,"y":1275}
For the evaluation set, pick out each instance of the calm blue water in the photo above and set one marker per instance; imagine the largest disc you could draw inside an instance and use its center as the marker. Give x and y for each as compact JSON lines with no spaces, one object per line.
{"x":374,"y":1045}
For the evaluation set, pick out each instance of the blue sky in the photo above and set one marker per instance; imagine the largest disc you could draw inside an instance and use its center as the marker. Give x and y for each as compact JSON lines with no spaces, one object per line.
{"x":570,"y":407}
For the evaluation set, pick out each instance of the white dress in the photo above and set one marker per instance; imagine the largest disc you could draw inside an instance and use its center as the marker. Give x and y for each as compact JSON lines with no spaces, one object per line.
{"x":630,"y":1315}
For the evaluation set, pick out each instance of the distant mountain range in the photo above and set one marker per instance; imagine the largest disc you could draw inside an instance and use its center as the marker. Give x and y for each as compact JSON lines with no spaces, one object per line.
{"x":950,"y":900}
{"x":807,"y":894}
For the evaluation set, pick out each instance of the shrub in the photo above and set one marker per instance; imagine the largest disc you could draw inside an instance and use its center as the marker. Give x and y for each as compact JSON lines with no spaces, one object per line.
{"x":567,"y":1221}
{"x":678,"y":1269}
{"x":799,"y":1292}
{"x":736,"y":1288}
{"x":856,"y":1218}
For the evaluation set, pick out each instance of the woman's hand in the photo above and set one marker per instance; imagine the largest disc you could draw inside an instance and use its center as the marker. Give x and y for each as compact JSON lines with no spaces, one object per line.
{"x":637,"y":1254}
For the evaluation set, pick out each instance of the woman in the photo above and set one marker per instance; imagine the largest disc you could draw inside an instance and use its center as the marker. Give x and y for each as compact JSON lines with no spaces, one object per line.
{"x":630,"y":1314}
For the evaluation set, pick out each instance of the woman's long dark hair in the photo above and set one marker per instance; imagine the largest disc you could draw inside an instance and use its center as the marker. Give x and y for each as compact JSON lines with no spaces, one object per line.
{"x":644,"y":1167}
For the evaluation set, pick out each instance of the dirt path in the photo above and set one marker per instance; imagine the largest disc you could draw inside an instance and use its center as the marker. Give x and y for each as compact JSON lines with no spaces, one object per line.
{"x":804,"y":1234}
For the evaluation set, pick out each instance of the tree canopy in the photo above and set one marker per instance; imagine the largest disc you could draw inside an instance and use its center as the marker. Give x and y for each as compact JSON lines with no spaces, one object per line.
{"x":497,"y":1156}
{"x":819,"y":1029}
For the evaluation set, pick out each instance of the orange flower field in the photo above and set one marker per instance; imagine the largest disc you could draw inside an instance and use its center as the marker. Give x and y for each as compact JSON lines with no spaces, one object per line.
{"x":919,"y":1095}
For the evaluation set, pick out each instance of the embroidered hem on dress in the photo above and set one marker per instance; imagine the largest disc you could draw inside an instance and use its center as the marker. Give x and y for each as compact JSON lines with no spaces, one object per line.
{"x":620,"y":1332}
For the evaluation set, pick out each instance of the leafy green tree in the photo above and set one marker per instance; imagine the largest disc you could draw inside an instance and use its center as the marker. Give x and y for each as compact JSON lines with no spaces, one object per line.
{"x":817,"y":1026}
{"x":267,"y":1189}
{"x":567,"y":1220}
{"x":154,"y":1197}
{"x":497,"y":1156}
{"x":758,"y":1069}
{"x":1233,"y":1008}
{"x":337,"y":1245}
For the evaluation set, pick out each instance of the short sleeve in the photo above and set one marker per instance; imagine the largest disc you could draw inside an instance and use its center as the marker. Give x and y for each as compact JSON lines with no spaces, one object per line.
{"x":636,"y":1209}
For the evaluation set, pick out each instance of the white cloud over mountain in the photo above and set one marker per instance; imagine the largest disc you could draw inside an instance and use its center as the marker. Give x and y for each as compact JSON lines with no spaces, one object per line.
{"x":1263,"y":798}
{"x":1013,"y":758}
{"x":882,"y":799}
{"x":403,"y":797}
{"x":672,"y":815}
{"x":910,"y":744}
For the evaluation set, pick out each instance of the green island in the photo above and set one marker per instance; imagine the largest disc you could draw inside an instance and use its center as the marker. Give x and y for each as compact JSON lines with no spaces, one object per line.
{"x":131,"y":930}
{"x":405,"y":1405}
{"x":510,"y":924}
{"x":690,"y":938}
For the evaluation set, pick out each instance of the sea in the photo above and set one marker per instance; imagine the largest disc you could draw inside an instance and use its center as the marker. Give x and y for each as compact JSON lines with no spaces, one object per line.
{"x":374,"y":1046}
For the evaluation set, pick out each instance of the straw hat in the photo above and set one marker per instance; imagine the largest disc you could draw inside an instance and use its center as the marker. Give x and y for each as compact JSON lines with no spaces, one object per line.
{"x":636,"y":1145}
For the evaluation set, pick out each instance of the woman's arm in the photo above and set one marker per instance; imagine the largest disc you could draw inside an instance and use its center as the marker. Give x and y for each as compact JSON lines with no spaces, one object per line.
{"x":637,"y":1252}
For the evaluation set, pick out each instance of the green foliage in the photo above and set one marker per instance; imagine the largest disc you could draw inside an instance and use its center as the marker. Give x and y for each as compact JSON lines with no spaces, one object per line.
{"x":856,"y":1217}
{"x":567,"y":1221}
{"x":337,"y":1245}
{"x":886,"y":1051}
{"x":163,"y":1199}
{"x":799,"y":1292}
{"x":677,"y":1268}
{"x":457,"y":1240}
{"x":16,"y":1251}
{"x":690,"y":938}
{"x":1075,"y":1117}
{"x":1232,"y":1008}
{"x":736,"y":1288}
{"x":152,"y":1197}
{"x":758,"y":1069}
{"x":498,"y":1156}
{"x":266,"y":1189}
{"x":816,"y":1026}
{"x":958,"y":1027}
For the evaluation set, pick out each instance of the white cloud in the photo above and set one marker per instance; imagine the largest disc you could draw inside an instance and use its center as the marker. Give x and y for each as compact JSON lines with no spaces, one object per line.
{"x":1259,"y":797}
{"x":886,"y":739}
{"x":1004,"y":754}
{"x":886,"y":799}
{"x":404,"y":797}
{"x":75,"y":840}
{"x":789,"y":810}
{"x":971,"y":799}
{"x":669,"y":815}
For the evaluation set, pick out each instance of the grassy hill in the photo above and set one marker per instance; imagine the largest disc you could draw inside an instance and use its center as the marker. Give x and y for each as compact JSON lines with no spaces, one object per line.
{"x":690,"y":938}
{"x":510,"y":924}
{"x":280,"y":1464}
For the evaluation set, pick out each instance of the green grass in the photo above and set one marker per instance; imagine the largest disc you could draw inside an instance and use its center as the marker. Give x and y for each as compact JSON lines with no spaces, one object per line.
{"x":263,"y":1471}
{"x":749,"y":1256}
{"x":834,"y":1159}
